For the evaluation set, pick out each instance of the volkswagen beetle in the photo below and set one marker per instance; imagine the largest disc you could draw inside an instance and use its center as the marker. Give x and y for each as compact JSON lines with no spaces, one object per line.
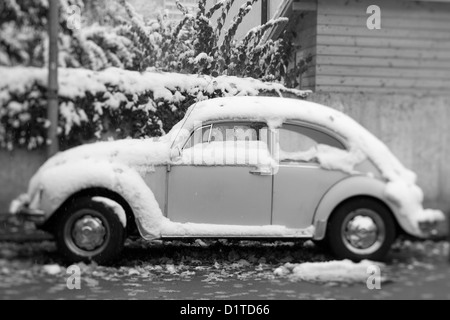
{"x":241,"y":168}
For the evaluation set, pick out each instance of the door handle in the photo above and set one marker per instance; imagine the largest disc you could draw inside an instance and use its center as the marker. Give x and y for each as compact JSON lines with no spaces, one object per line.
{"x":258,"y":172}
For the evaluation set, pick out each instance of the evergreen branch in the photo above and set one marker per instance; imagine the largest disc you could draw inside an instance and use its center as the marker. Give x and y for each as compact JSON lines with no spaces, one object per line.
{"x":182,"y":8}
{"x":223,"y":17}
{"x":201,"y":8}
{"x":231,"y":32}
{"x":179,"y":27}
{"x":256,"y":34}
{"x":214,"y":8}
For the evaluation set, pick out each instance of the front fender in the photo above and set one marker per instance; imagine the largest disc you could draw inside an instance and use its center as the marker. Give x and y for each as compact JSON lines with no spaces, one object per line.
{"x":356,"y":186}
{"x":58,"y":183}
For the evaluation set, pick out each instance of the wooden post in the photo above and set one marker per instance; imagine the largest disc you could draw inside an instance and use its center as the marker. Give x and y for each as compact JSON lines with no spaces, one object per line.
{"x":52,"y":92}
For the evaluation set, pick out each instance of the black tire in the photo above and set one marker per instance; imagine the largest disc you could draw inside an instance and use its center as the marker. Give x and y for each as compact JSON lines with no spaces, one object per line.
{"x":112,"y":234}
{"x":382,"y":218}
{"x":322,"y":245}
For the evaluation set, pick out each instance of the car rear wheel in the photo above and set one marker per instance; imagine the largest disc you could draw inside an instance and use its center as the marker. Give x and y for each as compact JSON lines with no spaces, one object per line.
{"x":361,"y":229}
{"x":89,"y":231}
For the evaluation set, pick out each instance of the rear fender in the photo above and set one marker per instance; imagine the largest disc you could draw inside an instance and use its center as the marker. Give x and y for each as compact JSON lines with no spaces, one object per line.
{"x":354,"y":186}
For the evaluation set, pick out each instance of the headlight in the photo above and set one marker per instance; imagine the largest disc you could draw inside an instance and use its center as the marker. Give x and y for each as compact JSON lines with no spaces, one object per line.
{"x":36,"y":201}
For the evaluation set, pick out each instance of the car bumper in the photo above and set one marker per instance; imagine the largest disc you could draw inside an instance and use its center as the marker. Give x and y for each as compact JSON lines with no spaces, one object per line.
{"x":32,"y":215}
{"x":21,"y":208}
{"x":436,"y":229}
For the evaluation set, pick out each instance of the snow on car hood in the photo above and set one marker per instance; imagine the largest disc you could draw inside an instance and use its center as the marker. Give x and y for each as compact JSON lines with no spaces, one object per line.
{"x":141,"y":155}
{"x":99,"y":163}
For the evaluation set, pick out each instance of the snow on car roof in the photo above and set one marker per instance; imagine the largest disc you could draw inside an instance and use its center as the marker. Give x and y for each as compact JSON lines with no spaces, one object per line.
{"x":275,"y":111}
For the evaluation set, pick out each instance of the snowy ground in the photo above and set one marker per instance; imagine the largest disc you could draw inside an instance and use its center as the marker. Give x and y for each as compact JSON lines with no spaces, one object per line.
{"x":216,"y":270}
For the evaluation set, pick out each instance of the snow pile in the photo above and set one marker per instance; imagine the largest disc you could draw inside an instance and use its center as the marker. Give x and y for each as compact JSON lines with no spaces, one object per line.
{"x":113,"y":103}
{"x":75,"y":83}
{"x":409,"y":197}
{"x":344,"y":271}
{"x":141,"y":155}
{"x":206,"y":230}
{"x":329,"y":158}
{"x":52,"y":269}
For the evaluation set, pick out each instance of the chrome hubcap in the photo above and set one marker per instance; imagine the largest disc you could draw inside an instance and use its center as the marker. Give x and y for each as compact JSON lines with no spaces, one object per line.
{"x":363,"y":231}
{"x":88,"y":233}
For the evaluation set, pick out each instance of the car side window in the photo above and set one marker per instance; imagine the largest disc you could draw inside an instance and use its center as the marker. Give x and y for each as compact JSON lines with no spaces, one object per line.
{"x":228,"y":143}
{"x":295,"y":140}
{"x":228,"y":132}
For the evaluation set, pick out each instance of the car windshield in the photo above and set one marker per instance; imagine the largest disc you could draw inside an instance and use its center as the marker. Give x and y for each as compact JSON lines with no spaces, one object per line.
{"x":179,"y":133}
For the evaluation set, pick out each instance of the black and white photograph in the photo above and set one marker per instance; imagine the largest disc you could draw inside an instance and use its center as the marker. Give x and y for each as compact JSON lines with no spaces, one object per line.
{"x":225,"y":155}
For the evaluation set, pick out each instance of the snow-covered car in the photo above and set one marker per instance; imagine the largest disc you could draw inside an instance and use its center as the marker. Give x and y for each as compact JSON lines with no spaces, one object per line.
{"x":241,"y":168}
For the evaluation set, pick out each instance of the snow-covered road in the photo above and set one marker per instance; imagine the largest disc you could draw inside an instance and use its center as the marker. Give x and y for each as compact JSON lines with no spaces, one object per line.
{"x":216,"y":270}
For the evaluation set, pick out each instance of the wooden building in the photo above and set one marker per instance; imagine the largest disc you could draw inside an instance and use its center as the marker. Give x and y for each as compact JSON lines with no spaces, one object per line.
{"x":395,"y":80}
{"x":409,"y":54}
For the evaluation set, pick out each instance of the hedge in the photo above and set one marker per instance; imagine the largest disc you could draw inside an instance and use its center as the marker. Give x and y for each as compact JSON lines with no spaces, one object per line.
{"x":109,"y":104}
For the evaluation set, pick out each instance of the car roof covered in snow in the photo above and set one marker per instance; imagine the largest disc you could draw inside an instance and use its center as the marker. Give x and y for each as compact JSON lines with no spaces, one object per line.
{"x":273,"y":110}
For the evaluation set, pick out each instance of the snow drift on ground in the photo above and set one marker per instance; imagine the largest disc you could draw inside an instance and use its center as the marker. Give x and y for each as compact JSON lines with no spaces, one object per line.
{"x":344,"y":271}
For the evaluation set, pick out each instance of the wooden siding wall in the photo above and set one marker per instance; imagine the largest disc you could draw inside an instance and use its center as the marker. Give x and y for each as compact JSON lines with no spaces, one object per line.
{"x":305,"y":28}
{"x":410,"y":54}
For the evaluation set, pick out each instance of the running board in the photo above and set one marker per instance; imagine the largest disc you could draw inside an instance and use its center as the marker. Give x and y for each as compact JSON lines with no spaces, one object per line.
{"x":189,"y":230}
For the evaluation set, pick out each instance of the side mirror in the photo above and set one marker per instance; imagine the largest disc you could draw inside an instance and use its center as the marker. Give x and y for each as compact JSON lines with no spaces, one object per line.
{"x":175,"y":153}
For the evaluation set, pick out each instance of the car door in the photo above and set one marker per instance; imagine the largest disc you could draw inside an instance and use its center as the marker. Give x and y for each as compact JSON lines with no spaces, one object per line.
{"x":299,"y":185}
{"x":215,"y":183}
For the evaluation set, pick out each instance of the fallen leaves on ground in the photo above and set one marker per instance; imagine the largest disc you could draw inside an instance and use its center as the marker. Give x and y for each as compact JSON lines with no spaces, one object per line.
{"x":211,"y":262}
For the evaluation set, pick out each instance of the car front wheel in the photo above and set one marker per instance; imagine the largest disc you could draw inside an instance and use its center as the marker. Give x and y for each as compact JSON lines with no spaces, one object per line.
{"x":89,"y":231}
{"x":361,"y":229}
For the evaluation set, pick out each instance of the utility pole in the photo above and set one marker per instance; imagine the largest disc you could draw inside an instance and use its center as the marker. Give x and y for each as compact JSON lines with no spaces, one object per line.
{"x":264,"y":11}
{"x":52,"y":92}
